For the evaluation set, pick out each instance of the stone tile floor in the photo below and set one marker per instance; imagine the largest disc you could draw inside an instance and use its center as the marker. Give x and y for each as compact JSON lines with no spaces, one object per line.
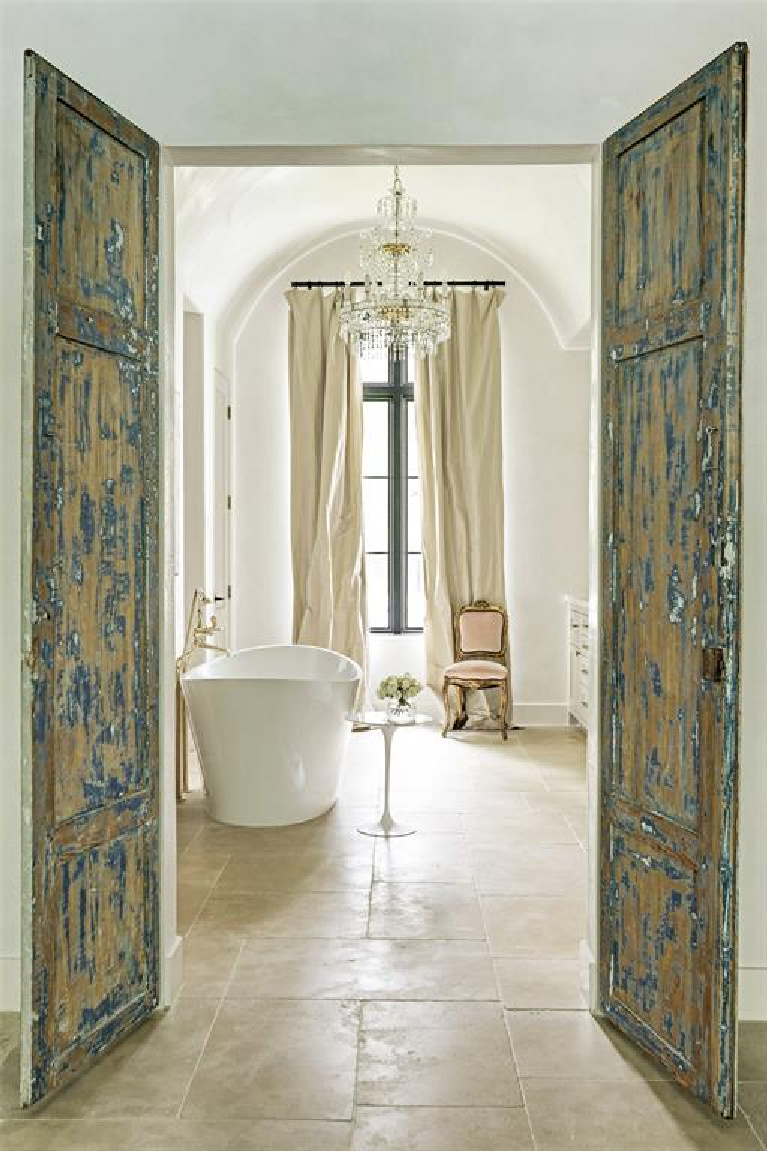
{"x":422,"y":994}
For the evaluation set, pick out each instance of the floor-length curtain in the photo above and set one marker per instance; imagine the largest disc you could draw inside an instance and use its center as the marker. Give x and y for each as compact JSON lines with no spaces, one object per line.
{"x":329,"y":606}
{"x":458,"y":415}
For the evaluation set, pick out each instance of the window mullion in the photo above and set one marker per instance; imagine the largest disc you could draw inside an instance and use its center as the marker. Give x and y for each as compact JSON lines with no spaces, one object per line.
{"x":395,"y":518}
{"x":398,"y":378}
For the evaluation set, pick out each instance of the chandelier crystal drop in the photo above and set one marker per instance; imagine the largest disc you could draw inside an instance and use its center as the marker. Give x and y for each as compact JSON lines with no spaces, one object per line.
{"x":395,"y":309}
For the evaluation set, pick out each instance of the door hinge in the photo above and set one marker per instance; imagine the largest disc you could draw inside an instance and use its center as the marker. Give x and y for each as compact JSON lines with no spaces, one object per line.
{"x":229,"y":411}
{"x":229,"y":591}
{"x":228,"y":503}
{"x":713,"y":664}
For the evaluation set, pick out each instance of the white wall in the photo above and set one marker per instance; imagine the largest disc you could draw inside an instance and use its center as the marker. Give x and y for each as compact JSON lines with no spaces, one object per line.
{"x":545,"y":435}
{"x":293,"y":74}
{"x":191,"y":507}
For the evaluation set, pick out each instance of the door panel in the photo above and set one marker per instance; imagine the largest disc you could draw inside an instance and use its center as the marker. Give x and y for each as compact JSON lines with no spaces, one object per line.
{"x":90,"y":579}
{"x":672,"y":254}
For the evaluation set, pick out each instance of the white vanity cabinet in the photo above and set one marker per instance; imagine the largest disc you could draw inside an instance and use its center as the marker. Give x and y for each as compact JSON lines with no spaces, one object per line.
{"x":578,"y":660}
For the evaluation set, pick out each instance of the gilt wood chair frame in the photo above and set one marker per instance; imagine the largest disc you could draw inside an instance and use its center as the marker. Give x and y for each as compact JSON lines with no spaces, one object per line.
{"x":467,"y":683}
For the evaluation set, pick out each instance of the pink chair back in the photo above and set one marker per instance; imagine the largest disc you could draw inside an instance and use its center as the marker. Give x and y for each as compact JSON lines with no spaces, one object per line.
{"x":481,"y":630}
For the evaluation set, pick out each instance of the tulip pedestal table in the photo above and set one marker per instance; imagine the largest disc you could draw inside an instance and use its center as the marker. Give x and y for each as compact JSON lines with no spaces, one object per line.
{"x":386,"y":826}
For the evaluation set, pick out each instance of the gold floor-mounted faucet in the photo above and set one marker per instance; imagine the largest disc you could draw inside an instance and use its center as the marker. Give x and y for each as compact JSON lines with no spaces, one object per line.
{"x":198,"y":638}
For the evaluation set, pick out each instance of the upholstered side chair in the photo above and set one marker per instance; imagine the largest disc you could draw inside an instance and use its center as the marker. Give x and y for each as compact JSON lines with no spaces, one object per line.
{"x":481,"y":638}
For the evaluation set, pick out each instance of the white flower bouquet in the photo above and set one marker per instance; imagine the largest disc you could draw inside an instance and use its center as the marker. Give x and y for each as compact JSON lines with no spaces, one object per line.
{"x":400,"y":689}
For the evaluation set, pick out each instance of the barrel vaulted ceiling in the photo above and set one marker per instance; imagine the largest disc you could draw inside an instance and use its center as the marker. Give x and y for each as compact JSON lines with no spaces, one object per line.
{"x":236,"y":228}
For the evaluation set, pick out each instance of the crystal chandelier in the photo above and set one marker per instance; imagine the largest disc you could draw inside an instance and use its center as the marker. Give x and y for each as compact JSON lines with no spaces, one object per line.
{"x":395,"y":309}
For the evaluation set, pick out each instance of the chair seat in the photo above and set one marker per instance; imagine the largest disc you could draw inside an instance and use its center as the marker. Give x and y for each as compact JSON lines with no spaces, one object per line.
{"x":476,"y":669}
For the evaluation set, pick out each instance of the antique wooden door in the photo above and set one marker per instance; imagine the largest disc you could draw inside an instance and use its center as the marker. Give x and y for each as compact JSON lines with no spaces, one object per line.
{"x":671,"y":411}
{"x":91,"y":581}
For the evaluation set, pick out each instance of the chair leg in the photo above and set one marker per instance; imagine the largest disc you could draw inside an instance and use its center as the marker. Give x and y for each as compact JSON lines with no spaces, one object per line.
{"x":446,"y":703}
{"x":504,"y":709}
{"x":463,"y":716}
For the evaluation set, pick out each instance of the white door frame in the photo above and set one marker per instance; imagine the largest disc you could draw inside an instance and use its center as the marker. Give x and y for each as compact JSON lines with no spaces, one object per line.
{"x":173,"y":157}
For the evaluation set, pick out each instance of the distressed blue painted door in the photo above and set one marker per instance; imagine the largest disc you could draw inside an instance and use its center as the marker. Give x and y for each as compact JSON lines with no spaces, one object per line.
{"x":671,"y":339}
{"x":90,"y":579}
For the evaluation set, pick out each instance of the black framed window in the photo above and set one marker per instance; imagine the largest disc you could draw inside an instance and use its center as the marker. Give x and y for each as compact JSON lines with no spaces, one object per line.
{"x":391,"y":496}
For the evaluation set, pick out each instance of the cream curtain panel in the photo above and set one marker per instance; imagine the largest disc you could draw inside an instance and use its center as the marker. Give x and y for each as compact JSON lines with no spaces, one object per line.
{"x":458,"y":417}
{"x":329,"y":607}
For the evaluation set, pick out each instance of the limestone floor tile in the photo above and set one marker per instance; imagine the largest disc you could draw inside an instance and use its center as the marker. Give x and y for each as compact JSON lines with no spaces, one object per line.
{"x":175,"y":1135}
{"x":9,"y":1032}
{"x":207,"y":964}
{"x":441,"y":1129}
{"x":190,"y":899}
{"x":439,"y":799}
{"x":146,"y":1075}
{"x":563,"y":777}
{"x":752,"y":1050}
{"x":305,"y":915}
{"x":552,"y":869}
{"x":277,"y":1060}
{"x":534,"y":738}
{"x":363,"y":969}
{"x":507,"y":777}
{"x":185,"y":836}
{"x":578,"y":821}
{"x":427,"y":822}
{"x":500,"y":803}
{"x":517,"y":829}
{"x":574,"y":1045}
{"x":435,"y":1054}
{"x":300,"y":870}
{"x":199,"y":870}
{"x":752,"y":1096}
{"x":542,"y":984}
{"x":9,"y":1063}
{"x":579,"y":1115}
{"x":550,"y":927}
{"x":422,"y":859}
{"x":563,"y":801}
{"x":425,"y":911}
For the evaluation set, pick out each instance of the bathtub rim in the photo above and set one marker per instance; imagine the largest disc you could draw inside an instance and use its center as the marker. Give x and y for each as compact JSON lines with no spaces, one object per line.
{"x":202,"y":672}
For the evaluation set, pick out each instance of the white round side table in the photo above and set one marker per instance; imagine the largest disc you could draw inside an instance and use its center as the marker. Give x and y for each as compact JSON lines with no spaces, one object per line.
{"x":386,"y":826}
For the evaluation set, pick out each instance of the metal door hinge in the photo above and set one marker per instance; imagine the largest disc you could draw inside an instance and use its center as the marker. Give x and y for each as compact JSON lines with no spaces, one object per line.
{"x":228,"y":591}
{"x":229,"y":411}
{"x":713,"y":664}
{"x":228,"y":503}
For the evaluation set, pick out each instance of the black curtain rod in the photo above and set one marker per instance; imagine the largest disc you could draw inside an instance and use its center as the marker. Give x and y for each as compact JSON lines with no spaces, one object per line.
{"x":486,"y":284}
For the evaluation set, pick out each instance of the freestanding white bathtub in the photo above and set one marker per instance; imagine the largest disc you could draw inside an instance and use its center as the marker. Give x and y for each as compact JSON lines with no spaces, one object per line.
{"x":271,"y":726}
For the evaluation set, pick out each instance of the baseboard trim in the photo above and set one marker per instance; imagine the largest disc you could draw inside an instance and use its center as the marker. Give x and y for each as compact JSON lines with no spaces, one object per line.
{"x":541,"y":714}
{"x":10,"y":982}
{"x":173,"y":972}
{"x":752,"y":993}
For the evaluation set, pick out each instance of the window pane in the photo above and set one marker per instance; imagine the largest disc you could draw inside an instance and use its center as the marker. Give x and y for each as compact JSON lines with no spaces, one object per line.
{"x":375,"y":512}
{"x":375,"y":369}
{"x":415,"y":600}
{"x":414,"y":515}
{"x":412,"y":441}
{"x":411,"y":366}
{"x":375,"y":438}
{"x":377,"y":574}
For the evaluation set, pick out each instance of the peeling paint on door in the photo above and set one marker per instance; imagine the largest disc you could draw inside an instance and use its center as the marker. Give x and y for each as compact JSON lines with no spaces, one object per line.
{"x":90,"y":580}
{"x":672,"y":259}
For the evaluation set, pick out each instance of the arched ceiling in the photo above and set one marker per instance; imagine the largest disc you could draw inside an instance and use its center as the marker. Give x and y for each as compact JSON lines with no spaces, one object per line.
{"x":234,"y":223}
